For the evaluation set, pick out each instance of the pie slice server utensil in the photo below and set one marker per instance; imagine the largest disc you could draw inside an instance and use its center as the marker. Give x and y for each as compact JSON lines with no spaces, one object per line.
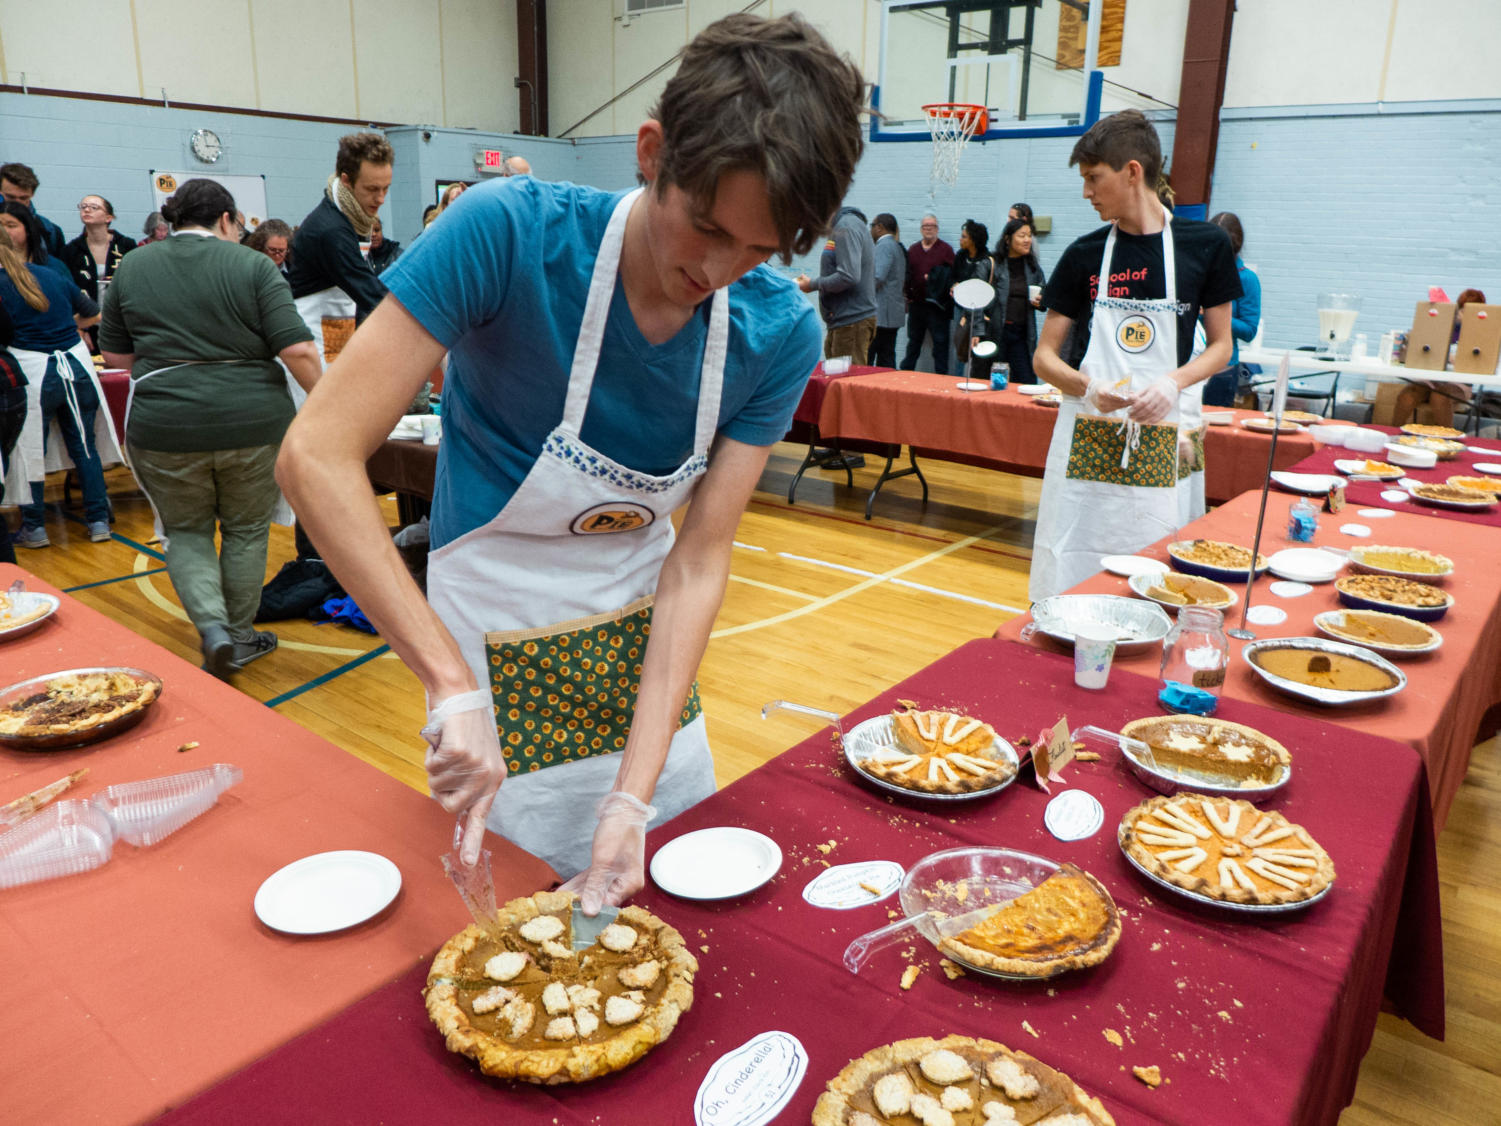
{"x":932,"y":925}
{"x":586,"y":930}
{"x":476,"y":884}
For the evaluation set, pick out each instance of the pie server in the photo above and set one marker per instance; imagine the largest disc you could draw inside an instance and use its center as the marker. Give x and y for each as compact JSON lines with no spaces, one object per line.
{"x":476,"y":885}
{"x":932,"y":925}
{"x":586,"y":930}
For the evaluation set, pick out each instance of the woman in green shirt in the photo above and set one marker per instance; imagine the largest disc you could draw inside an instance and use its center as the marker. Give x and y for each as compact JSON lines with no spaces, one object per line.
{"x":200,"y":321}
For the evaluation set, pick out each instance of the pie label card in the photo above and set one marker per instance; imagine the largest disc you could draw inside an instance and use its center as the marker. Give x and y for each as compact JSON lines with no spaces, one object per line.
{"x":854,"y":885}
{"x":751,"y":1085}
{"x":1074,"y":815}
{"x":1209,"y":678}
{"x":1054,"y":751}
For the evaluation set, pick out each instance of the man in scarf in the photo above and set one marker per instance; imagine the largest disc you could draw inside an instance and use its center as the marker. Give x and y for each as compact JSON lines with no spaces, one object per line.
{"x":332,"y":282}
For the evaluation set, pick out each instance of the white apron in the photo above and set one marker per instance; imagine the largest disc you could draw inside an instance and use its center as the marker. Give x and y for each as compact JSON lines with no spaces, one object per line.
{"x":28,"y":461}
{"x":329,"y":316}
{"x":1191,"y":503}
{"x":581,"y":540}
{"x":1110,"y":486}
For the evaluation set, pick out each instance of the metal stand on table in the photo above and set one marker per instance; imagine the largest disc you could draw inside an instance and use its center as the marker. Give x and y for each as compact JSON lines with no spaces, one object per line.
{"x":1279,"y":403}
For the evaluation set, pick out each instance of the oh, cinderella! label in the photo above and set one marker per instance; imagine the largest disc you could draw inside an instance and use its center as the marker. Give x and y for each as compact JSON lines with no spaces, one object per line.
{"x":751,"y":1085}
{"x":854,"y":885}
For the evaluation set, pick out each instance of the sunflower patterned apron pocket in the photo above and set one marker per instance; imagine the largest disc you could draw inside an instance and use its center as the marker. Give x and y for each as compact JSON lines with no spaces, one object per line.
{"x":568,"y":691}
{"x":1099,"y":444}
{"x":1196,"y":462}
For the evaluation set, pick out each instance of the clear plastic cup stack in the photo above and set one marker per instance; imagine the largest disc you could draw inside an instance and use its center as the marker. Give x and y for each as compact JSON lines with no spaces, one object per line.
{"x":69,"y":837}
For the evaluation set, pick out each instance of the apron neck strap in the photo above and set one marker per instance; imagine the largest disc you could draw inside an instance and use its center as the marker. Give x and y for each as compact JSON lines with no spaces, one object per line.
{"x":592,"y":333}
{"x":1169,"y":263}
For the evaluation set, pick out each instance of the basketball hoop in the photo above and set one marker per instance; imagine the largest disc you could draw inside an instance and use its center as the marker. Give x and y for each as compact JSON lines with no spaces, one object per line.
{"x":952,"y":124}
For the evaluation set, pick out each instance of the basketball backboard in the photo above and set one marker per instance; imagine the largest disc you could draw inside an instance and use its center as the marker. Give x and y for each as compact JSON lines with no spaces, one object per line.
{"x":1030,"y":63}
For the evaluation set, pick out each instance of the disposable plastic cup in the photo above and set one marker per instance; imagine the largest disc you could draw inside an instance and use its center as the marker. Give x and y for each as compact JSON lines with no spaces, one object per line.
{"x":432,"y":429}
{"x":64,"y":839}
{"x":146,"y":812}
{"x":1094,"y":650}
{"x":1034,"y":292}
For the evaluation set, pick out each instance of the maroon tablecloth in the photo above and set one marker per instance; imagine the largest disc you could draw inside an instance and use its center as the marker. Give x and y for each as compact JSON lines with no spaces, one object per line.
{"x":811,"y":403}
{"x":1367,"y":494}
{"x":115,"y":382}
{"x":1252,"y":1021}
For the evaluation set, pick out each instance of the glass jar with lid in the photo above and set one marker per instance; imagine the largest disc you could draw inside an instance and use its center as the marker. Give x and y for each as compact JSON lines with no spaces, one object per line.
{"x":1195,"y":656}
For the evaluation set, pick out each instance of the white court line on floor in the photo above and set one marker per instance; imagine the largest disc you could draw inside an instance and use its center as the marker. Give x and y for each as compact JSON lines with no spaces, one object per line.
{"x":747,"y":546}
{"x":804,"y":595}
{"x":874,"y":580}
{"x":904,"y":582}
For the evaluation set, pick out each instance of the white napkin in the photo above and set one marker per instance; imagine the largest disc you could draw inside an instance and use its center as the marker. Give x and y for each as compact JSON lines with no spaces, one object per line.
{"x":410,"y":426}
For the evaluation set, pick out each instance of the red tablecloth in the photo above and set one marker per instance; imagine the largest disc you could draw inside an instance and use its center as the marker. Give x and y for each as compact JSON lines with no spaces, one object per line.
{"x":1252,"y":1022}
{"x":811,"y":404}
{"x":115,"y":382}
{"x":1367,"y":494}
{"x":130,"y":988}
{"x":1007,"y":430}
{"x":1443,"y":711}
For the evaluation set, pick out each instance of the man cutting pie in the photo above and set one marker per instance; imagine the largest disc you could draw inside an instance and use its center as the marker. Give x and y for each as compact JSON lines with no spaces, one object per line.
{"x":613,"y":357}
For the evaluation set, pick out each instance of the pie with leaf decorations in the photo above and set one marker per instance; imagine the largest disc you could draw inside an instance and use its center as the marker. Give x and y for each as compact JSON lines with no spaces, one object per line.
{"x":940,"y":752}
{"x":521,"y":1002}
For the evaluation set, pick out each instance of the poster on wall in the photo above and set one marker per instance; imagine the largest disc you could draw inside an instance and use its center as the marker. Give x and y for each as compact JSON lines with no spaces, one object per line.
{"x":249,"y":191}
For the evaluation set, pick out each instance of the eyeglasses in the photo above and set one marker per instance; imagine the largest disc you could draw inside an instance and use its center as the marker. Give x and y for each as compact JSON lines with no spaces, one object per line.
{"x":276,"y":252}
{"x":91,"y":207}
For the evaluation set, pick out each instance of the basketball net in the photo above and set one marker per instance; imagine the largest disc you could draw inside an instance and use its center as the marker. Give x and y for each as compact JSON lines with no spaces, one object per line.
{"x":951,"y":124}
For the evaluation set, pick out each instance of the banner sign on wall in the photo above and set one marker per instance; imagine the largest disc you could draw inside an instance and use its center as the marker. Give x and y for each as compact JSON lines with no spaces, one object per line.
{"x":249,"y":191}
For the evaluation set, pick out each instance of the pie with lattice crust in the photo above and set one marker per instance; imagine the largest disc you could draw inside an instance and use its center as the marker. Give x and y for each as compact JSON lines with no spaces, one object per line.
{"x":74,"y":703}
{"x":956,"y":1081}
{"x":523,"y":1004}
{"x":1226,"y":850}
{"x":940,"y":752}
{"x":1067,"y":922}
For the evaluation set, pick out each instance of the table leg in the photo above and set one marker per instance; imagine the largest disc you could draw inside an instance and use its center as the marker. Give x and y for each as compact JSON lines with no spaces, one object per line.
{"x":831,"y":458}
{"x":888,"y":475}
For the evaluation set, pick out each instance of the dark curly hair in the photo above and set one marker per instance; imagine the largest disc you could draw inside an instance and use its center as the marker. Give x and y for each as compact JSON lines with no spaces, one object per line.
{"x":198,"y":203}
{"x":769,"y":96}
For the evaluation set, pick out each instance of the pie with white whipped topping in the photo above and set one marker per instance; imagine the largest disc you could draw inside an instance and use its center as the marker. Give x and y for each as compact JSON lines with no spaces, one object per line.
{"x":1230,"y":754}
{"x":1226,"y":849}
{"x":940,"y":752}
{"x":1067,"y":922}
{"x":956,"y":1081}
{"x":76,"y":702}
{"x":523,"y":1004}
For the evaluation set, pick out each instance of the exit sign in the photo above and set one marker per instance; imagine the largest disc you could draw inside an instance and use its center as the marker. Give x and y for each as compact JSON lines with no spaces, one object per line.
{"x":494,"y":158}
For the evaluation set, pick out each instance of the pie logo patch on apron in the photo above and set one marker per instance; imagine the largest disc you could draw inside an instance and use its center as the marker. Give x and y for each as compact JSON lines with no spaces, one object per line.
{"x":1135,"y":334}
{"x":616,"y":516}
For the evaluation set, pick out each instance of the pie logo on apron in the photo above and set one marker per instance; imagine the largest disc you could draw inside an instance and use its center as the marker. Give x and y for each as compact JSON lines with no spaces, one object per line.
{"x":616,"y":516}
{"x":1135,"y":334}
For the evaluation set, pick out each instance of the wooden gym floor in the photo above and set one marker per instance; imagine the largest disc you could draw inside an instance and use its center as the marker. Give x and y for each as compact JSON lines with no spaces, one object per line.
{"x":824,"y":608}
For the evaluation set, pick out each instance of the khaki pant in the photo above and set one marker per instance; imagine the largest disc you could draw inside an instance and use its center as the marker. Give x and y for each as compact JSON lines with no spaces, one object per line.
{"x":233,"y":490}
{"x":850,"y":340}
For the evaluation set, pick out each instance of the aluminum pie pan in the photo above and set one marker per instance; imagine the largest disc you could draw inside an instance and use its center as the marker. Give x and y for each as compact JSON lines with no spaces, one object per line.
{"x":52,"y":602}
{"x":1143,"y":624}
{"x":1168,"y":780}
{"x":87,"y":735}
{"x":1209,"y":900}
{"x":869,"y":736}
{"x":1332,"y":697}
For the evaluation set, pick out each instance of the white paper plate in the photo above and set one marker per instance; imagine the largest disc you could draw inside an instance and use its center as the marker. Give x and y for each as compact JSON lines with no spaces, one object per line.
{"x":1394,"y":495}
{"x":1267,"y":615}
{"x":1305,"y":565}
{"x":1127,"y":565}
{"x":1359,"y":531}
{"x":716,"y":863}
{"x":1489,"y":467}
{"x":1310,"y":484}
{"x":327,"y":892}
{"x":1035,"y":388}
{"x":1289,"y":590}
{"x":1352,"y":466}
{"x":1483,"y":452}
{"x":1375,"y":513}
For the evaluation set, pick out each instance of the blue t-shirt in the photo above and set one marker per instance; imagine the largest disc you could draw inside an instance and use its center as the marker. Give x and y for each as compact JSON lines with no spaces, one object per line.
{"x":52,"y":328}
{"x":501,"y":282}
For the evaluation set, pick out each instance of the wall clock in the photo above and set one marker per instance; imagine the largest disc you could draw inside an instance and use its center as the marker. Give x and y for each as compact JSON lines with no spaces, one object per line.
{"x":206,"y":145}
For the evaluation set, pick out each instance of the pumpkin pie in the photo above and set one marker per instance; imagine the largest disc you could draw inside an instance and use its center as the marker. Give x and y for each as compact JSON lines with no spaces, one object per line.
{"x":1067,"y":922}
{"x":1226,"y":849}
{"x":956,"y":1081}
{"x":940,"y":752}
{"x":1424,"y":430}
{"x":1189,"y":590}
{"x":1229,"y":754}
{"x":521,"y":1002}
{"x":73,"y":703}
{"x":1372,"y":627}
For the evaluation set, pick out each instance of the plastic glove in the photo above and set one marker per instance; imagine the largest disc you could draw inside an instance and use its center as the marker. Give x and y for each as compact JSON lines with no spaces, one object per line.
{"x":1103,"y":395}
{"x":617,"y":866}
{"x":464,"y":764}
{"x":1186,"y":455}
{"x":1156,"y":402}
